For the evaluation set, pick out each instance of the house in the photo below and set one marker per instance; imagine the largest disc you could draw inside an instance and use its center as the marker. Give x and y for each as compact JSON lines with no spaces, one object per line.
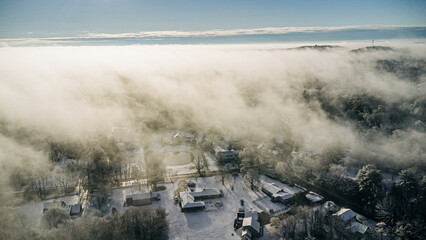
{"x":345,"y":214}
{"x":277,"y":194}
{"x":356,"y":227}
{"x":75,"y":210}
{"x":207,"y":193}
{"x":188,"y":202}
{"x":350,"y":224}
{"x":232,"y":167}
{"x":193,"y":201}
{"x":54,"y":203}
{"x":251,"y":228}
{"x":314,"y":197}
{"x":183,"y":137}
{"x":225,"y":155}
{"x":142,"y":199}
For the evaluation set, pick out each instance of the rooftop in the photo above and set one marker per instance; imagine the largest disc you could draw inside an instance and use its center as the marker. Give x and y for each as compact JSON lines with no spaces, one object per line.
{"x":314,"y":197}
{"x":76,"y":208}
{"x":188,"y":201}
{"x":206,"y":192}
{"x":271,"y":187}
{"x":345,"y":214}
{"x":357,"y":227}
{"x":251,"y":220}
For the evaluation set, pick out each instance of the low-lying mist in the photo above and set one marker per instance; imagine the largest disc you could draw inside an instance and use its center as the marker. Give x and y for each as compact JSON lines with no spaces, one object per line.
{"x":366,"y":100}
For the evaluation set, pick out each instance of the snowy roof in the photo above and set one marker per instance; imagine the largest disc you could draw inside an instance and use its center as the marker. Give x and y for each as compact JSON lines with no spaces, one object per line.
{"x":314,"y":197}
{"x":251,"y":221}
{"x":205,"y":192}
{"x":345,"y":214}
{"x":183,"y":135}
{"x":283,"y":195}
{"x":188,"y":201}
{"x":270,"y":187}
{"x":357,"y":227}
{"x":246,"y":232}
{"x":419,"y":123}
{"x":219,"y":149}
{"x":188,"y":198}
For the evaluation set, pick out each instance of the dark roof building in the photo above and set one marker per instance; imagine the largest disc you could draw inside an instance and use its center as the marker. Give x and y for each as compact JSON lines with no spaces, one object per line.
{"x":142,"y":199}
{"x":75,"y":210}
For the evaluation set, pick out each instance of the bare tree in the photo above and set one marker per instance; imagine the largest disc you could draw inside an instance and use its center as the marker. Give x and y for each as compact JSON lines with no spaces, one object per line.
{"x":55,"y":216}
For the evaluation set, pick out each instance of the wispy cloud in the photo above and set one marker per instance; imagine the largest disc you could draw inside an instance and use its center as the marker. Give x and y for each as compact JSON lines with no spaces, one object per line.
{"x":164,"y":35}
{"x":236,"y":32}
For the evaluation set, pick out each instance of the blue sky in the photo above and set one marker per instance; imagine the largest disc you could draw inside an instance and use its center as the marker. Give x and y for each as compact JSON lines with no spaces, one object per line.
{"x":66,"y":18}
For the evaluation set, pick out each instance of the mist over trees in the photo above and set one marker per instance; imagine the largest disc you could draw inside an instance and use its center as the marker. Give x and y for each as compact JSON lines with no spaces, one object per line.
{"x":330,"y":118}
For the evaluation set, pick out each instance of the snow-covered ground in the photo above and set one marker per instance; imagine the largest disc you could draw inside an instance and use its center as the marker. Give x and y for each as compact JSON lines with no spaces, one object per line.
{"x":34,"y":210}
{"x":270,"y":207}
{"x":212,"y":223}
{"x":211,"y":162}
{"x":182,"y":169}
{"x":177,"y":148}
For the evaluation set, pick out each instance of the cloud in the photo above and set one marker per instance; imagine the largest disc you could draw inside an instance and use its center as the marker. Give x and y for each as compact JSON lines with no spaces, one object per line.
{"x":159,"y":36}
{"x":237,"y":32}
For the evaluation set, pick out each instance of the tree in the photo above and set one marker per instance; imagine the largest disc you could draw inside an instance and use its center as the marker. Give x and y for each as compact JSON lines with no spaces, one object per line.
{"x":387,"y":210}
{"x":155,"y":169}
{"x":335,"y":179}
{"x":369,"y":180}
{"x":250,"y":166}
{"x":199,"y":164}
{"x":14,"y":225}
{"x":332,"y":154}
{"x":99,"y":170}
{"x":54,"y":216}
{"x":147,"y":224}
{"x":409,"y":182}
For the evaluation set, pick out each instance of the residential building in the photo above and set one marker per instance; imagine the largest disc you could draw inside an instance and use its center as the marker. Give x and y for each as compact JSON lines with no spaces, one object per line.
{"x":193,"y":201}
{"x":251,"y":228}
{"x":277,"y":194}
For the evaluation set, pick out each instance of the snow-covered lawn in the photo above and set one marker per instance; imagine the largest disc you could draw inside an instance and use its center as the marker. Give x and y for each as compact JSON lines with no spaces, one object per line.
{"x":34,"y":210}
{"x":182,"y":169}
{"x":211,"y":162}
{"x":177,"y":148}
